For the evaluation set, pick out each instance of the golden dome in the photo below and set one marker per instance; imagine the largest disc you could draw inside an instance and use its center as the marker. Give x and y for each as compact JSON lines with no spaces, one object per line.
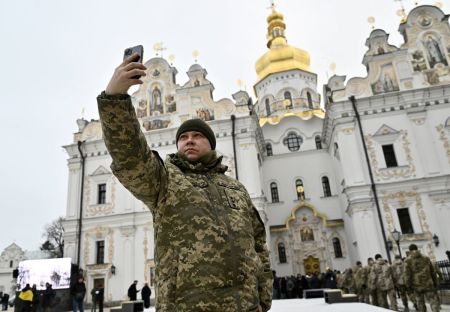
{"x":281,"y":56}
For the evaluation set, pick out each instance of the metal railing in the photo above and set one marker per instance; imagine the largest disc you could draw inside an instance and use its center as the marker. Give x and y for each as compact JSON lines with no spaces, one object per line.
{"x":444,"y":268}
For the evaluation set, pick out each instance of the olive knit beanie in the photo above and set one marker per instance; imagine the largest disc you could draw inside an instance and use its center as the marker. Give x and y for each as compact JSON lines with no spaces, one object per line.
{"x":200,"y":126}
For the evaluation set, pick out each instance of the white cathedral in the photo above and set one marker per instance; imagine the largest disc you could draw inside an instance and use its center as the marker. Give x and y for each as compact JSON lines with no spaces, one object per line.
{"x":330,"y":191}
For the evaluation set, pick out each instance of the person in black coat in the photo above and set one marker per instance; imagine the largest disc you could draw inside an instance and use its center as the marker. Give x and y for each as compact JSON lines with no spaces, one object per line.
{"x":146,"y":292}
{"x":5,"y":299}
{"x":132,"y":291}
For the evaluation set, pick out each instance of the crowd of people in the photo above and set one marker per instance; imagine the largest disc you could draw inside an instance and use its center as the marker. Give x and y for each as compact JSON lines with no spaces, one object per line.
{"x":30,"y":299}
{"x":413,"y":279}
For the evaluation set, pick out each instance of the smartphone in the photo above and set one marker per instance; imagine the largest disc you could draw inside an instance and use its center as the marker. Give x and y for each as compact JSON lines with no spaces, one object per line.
{"x":139,"y":49}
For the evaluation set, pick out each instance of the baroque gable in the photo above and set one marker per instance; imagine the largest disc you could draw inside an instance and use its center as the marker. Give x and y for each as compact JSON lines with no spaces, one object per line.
{"x":422,"y":60}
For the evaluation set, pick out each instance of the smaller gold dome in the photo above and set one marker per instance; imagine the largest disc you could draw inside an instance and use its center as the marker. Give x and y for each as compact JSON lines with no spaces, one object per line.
{"x":281,"y":56}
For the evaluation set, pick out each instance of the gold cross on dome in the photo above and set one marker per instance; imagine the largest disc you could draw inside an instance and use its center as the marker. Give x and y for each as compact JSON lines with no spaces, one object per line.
{"x":159,"y":48}
{"x":272,"y":5}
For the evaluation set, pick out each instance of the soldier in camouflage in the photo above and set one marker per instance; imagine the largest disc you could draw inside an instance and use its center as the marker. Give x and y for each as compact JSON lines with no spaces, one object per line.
{"x":210,"y":248}
{"x":398,"y":272}
{"x":348,"y":286}
{"x":371,"y":282}
{"x":420,"y":275}
{"x":384,"y":283}
{"x":360,"y":283}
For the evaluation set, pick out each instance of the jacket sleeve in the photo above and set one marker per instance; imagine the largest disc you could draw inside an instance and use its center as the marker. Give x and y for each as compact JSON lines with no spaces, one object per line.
{"x":138,"y":168}
{"x":265,"y":277}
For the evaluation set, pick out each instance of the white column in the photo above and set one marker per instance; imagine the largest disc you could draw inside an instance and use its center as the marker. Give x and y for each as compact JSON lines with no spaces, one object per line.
{"x":364,"y":221}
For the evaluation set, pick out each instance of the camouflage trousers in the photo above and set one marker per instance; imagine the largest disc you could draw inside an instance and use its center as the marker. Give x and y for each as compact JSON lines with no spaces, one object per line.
{"x":373,"y":297}
{"x":431,"y":296}
{"x":362,"y":295}
{"x":402,"y":291}
{"x":382,"y":298}
{"x":392,"y":295}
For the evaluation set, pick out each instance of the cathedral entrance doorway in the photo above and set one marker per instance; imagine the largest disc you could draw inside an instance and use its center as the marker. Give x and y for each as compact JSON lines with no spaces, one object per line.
{"x":99,"y":283}
{"x":311,"y":265}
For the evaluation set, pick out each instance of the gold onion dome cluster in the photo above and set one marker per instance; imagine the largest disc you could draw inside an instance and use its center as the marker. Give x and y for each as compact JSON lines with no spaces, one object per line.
{"x":281,"y":56}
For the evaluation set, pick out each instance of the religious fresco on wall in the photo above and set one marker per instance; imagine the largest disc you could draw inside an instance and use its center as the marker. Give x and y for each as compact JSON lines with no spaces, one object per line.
{"x":306,"y":234}
{"x":418,"y":61}
{"x":438,"y":75}
{"x":157,"y":123}
{"x":156,"y":105}
{"x":387,"y":81}
{"x":171,"y":105}
{"x":205,"y":114}
{"x":141,"y":110}
{"x":435,"y":54}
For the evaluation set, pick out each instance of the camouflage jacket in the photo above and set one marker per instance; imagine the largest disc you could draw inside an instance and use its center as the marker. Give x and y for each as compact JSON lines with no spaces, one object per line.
{"x":383,"y":275}
{"x":398,"y":272}
{"x":420,"y":274}
{"x":371,"y":277}
{"x":360,"y":277}
{"x":210,"y":251}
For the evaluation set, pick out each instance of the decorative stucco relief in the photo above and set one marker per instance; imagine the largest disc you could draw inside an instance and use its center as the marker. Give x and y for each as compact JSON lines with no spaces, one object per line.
{"x":444,"y":137}
{"x":95,"y":234}
{"x":393,"y":172}
{"x":405,"y":199}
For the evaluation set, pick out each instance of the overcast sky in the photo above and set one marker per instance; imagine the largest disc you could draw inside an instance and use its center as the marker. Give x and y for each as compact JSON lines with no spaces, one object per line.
{"x":57,"y":55}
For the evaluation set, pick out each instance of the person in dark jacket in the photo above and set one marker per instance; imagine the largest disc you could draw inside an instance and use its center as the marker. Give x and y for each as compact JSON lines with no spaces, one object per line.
{"x":314,"y":282}
{"x":132,"y":291}
{"x":299,"y":285}
{"x":5,"y":299}
{"x":276,"y":286}
{"x":78,"y":291}
{"x":47,"y":297}
{"x":330,"y":279}
{"x":100,"y":298}
{"x":283,"y":288}
{"x":146,"y":292}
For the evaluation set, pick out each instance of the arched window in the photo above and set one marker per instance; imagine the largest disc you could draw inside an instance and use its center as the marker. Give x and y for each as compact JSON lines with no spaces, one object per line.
{"x":288,"y":96}
{"x":300,"y":189}
{"x":268,"y":112}
{"x":310,"y":102}
{"x":336,"y":151}
{"x":318,"y":142}
{"x":293,"y":141}
{"x":337,"y":248}
{"x":274,"y":192}
{"x":10,"y":263}
{"x":326,"y":186}
{"x":269,"y":149}
{"x":282,"y":253}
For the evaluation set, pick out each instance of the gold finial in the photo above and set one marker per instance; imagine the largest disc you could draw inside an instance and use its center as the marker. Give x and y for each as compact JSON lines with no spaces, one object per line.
{"x":240,"y":83}
{"x":159,"y":48}
{"x":195,"y":54}
{"x":333,"y":68}
{"x":171,"y":59}
{"x":439,"y":4}
{"x":401,"y":12}
{"x":272,"y":5}
{"x":371,"y":21}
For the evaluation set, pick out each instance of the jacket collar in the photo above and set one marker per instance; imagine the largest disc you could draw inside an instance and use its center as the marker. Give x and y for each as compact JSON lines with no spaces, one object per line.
{"x":214,"y":164}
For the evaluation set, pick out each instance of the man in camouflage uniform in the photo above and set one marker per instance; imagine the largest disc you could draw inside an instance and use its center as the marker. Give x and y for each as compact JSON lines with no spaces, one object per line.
{"x":360,"y":283}
{"x":421,"y":276}
{"x":384,"y":283}
{"x":348,"y":286}
{"x":210,"y":248}
{"x":410,"y":291}
{"x":398,"y":272}
{"x":371,"y":282}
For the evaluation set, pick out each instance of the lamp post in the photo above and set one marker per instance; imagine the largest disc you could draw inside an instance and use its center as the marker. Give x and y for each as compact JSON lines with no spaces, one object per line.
{"x":397,"y":235}
{"x":436,"y":240}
